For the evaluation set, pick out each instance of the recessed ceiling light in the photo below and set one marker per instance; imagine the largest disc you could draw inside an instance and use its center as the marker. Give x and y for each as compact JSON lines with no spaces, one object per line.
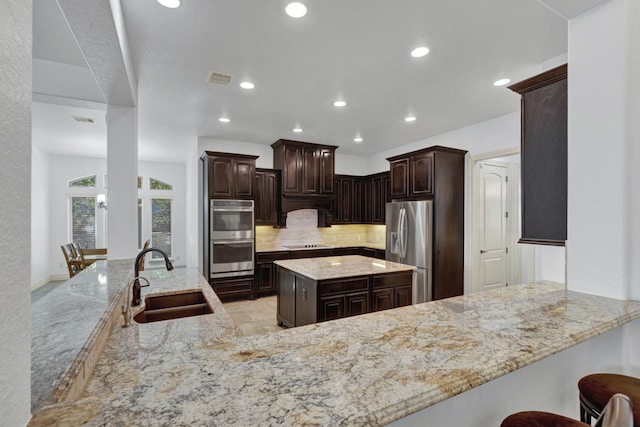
{"x":171,"y":4}
{"x":247,"y":85}
{"x":339,"y":103}
{"x":297,"y":129}
{"x":419,"y":52}
{"x":410,"y":119}
{"x":224,"y":120}
{"x":357,"y":139}
{"x":296,"y":10}
{"x":501,"y":82}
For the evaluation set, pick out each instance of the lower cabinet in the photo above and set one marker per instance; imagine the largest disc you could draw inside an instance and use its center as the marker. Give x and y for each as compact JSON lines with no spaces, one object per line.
{"x":391,"y":291}
{"x":233,"y":287}
{"x":265,"y":272}
{"x":342,"y":298}
{"x":303,"y":301}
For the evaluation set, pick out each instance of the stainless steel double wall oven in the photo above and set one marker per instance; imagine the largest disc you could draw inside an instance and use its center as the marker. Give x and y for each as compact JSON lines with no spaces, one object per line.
{"x":232,"y":237}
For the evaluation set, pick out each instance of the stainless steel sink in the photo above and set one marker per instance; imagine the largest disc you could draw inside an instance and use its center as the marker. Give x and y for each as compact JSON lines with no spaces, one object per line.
{"x":308,"y":246}
{"x":173,"y":306}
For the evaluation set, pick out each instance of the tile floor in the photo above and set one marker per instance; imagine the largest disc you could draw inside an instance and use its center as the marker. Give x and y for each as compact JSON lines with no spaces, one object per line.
{"x":254,"y":317}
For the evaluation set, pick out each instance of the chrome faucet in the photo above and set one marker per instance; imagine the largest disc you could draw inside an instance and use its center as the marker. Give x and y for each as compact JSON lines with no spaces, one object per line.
{"x":126,"y":309}
{"x":136,"y":284}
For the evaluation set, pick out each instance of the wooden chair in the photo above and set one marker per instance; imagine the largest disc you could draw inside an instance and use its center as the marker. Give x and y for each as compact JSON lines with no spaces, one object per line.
{"x":91,"y":255}
{"x":74,"y":263}
{"x":597,"y":389}
{"x":141,"y":262}
{"x":617,"y":413}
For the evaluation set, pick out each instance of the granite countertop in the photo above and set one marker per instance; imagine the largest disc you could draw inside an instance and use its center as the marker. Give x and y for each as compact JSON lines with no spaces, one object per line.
{"x":336,"y":267}
{"x":364,"y":370}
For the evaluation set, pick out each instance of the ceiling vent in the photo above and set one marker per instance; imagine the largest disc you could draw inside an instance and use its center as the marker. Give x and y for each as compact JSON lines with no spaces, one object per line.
{"x":219,"y":78}
{"x":84,"y":119}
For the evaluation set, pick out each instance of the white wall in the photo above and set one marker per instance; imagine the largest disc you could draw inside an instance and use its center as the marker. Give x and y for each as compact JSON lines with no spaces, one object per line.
{"x":63,"y":168}
{"x":15,"y":199}
{"x":40,"y":200}
{"x":602,"y":186}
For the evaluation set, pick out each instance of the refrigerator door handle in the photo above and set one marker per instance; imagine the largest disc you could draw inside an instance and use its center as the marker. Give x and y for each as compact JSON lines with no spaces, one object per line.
{"x":403,"y":233}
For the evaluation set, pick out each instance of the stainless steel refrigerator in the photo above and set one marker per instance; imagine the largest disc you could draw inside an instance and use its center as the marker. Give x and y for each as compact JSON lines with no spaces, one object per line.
{"x":409,"y":239}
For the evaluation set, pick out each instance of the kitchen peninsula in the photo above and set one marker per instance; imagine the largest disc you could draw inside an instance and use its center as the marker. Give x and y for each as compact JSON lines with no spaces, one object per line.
{"x":314,"y":290}
{"x":364,"y":370}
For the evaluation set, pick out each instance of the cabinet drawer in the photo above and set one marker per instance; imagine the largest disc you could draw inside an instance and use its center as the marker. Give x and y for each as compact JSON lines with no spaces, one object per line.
{"x":344,"y":285}
{"x":346,"y":251}
{"x":392,"y":280}
{"x":272,"y":256}
{"x":314,"y":253}
{"x":231,"y":287}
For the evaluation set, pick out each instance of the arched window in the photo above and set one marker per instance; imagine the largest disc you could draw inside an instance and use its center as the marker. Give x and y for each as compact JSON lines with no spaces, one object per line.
{"x":85,"y":181}
{"x":156,"y":184}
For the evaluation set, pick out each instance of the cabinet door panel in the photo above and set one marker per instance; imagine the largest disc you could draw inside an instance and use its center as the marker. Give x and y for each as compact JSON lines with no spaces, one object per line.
{"x":292,"y":170}
{"x":264,"y":277}
{"x":259,"y":211}
{"x":346,"y":200}
{"x":377,"y":202}
{"x":310,"y":174}
{"x":220,"y":177}
{"x":382,"y":299}
{"x":422,"y":174}
{"x":402,"y":295}
{"x":244,"y":174}
{"x":399,"y":171}
{"x":331,"y":308}
{"x":326,"y":171}
{"x":357,"y":303}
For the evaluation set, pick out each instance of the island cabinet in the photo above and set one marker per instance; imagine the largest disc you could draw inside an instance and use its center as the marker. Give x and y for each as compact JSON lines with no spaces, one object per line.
{"x":391,"y":292}
{"x":343,"y":298}
{"x":229,"y":176}
{"x":311,"y":291}
{"x":307,"y":169}
{"x":267,"y":196}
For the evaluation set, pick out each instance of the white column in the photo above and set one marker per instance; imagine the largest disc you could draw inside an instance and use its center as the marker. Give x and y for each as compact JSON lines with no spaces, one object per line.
{"x":15,"y":198}
{"x":602,"y":184}
{"x":122,"y":178}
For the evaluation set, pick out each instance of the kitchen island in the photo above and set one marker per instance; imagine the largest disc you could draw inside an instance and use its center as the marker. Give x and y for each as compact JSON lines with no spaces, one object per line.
{"x":371,"y":369}
{"x":312,"y":290}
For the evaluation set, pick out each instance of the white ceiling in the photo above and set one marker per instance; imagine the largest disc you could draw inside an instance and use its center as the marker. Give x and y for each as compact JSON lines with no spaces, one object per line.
{"x":356,"y":50}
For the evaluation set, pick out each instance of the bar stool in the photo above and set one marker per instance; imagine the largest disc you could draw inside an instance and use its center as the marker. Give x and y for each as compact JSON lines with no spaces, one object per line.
{"x":597,"y":389}
{"x":617,"y":413}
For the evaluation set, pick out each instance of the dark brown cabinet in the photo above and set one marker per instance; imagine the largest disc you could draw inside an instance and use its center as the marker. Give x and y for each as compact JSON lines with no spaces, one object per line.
{"x":343,"y":298}
{"x":544,"y":157}
{"x":307,"y":169}
{"x":229,"y":176}
{"x":265,"y":275}
{"x":391,"y":291}
{"x":311,"y":253}
{"x":437,"y":173}
{"x":412,"y":176}
{"x":267,"y":196}
{"x":360,"y":199}
{"x":230,"y":287}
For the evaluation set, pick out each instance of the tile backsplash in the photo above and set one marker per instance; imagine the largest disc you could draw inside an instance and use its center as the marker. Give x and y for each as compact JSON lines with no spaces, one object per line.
{"x":302,"y":228}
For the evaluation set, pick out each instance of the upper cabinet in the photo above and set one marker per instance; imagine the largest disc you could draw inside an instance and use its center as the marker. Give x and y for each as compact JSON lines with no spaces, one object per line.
{"x":544,"y":157}
{"x":412,"y":174}
{"x":307,"y":169}
{"x":267,"y":196}
{"x":229,"y":176}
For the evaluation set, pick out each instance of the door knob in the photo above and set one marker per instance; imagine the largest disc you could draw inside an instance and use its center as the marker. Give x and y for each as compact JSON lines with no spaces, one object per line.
{"x":482,"y":251}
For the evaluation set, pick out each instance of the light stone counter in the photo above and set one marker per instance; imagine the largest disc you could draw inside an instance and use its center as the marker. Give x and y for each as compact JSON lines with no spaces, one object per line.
{"x":365,"y":370}
{"x":336,"y":267}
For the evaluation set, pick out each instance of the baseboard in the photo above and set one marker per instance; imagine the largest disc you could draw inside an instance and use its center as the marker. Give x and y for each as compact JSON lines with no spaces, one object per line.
{"x":51,"y":278}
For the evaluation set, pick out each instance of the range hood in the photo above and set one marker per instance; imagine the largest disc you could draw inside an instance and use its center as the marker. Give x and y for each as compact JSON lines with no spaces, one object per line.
{"x":324,"y":204}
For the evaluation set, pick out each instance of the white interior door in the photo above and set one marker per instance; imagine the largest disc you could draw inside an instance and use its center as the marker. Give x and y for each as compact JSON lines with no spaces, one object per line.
{"x":493,"y":232}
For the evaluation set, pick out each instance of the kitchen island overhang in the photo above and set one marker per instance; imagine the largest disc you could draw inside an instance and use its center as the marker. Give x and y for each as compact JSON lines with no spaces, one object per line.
{"x":363,"y":370}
